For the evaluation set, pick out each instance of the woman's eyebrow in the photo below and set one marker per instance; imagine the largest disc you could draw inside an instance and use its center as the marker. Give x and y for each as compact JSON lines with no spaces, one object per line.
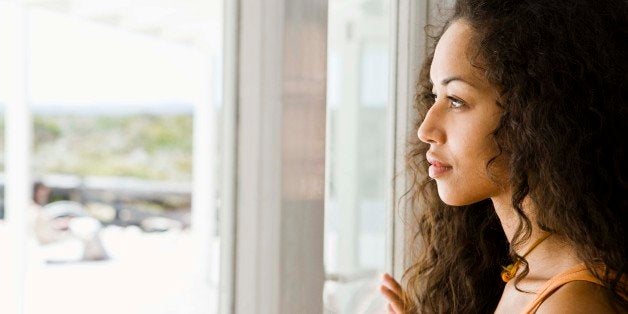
{"x":454,"y":78}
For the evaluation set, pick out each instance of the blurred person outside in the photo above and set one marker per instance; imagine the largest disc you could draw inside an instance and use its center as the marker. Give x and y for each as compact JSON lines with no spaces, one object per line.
{"x":65,"y":220}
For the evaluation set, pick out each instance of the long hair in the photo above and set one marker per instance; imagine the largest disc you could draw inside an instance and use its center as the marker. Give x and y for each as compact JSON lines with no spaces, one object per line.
{"x":560,"y":68}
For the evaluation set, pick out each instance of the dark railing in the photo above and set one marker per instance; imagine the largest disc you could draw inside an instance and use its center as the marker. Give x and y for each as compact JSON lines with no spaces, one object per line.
{"x":132,"y":199}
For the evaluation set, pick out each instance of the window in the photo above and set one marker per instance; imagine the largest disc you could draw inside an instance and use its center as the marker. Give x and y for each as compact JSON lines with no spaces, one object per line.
{"x":124,"y":100}
{"x":357,"y":155}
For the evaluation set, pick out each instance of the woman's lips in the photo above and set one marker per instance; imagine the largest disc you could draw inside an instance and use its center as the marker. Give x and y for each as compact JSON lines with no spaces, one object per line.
{"x":437,"y":168}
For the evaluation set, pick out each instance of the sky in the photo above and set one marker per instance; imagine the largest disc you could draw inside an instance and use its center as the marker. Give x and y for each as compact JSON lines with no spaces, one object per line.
{"x":77,"y":63}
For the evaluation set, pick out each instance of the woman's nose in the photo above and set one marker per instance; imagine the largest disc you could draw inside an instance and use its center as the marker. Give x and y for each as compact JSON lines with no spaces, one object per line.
{"x":430,"y":131}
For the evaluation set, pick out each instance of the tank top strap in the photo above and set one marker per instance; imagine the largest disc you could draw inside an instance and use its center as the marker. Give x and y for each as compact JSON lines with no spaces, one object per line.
{"x":576,"y":273}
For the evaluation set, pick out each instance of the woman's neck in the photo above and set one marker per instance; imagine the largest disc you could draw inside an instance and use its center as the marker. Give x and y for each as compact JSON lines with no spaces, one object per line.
{"x":551,"y":256}
{"x":508,"y":216}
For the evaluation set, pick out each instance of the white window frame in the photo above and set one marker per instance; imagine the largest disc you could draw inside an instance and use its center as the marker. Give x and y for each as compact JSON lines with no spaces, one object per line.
{"x":229,"y":153}
{"x":260,"y":269}
{"x":277,"y":264}
{"x":409,"y":45}
{"x":18,"y":143}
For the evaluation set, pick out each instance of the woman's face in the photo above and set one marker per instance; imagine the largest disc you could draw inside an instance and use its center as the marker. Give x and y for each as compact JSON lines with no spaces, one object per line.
{"x":458,"y":126}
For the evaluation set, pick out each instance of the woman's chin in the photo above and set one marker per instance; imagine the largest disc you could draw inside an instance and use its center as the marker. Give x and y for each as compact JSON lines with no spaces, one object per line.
{"x":456,"y":199}
{"x":454,"y":202}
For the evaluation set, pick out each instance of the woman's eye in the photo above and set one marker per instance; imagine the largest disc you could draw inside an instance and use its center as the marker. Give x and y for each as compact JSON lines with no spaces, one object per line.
{"x":455,"y":103}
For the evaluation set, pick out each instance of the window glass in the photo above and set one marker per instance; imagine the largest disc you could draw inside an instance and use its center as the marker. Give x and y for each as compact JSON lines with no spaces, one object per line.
{"x":357,"y":142}
{"x":115,"y":90}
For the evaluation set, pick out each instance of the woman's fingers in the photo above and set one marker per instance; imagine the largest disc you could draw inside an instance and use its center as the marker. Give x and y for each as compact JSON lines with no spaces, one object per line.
{"x":392,"y":292}
{"x":394,"y":305}
{"x":391,"y":283}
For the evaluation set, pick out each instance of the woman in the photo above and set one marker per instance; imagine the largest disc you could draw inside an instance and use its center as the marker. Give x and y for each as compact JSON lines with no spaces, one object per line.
{"x":520,"y":160}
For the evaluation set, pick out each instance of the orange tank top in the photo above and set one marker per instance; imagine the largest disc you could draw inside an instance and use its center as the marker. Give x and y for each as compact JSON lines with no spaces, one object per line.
{"x":578,"y":272}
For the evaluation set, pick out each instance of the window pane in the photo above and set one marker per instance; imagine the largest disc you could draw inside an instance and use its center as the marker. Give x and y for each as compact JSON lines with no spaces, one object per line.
{"x":116,"y":90}
{"x":358,"y":108}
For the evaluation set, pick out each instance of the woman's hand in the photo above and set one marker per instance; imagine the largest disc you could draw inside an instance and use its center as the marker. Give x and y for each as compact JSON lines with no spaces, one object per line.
{"x":391,"y":290}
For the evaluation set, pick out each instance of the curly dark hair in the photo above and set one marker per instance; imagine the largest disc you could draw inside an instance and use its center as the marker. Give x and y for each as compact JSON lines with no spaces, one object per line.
{"x":560,"y":68}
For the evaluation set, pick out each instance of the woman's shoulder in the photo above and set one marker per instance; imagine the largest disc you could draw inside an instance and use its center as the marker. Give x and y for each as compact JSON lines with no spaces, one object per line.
{"x":581,"y":297}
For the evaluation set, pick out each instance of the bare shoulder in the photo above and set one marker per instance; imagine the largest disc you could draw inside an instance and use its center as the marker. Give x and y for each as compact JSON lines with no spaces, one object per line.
{"x":580,"y":297}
